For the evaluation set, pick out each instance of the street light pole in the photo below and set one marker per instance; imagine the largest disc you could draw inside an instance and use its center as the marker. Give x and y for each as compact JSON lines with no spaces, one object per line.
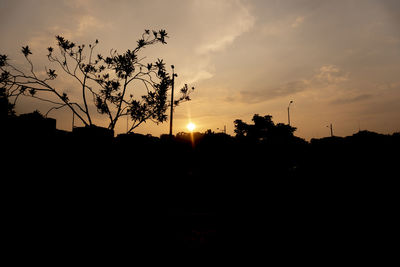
{"x":288,"y":112}
{"x":127,"y":124}
{"x":172,"y":100}
{"x":331,"y":128}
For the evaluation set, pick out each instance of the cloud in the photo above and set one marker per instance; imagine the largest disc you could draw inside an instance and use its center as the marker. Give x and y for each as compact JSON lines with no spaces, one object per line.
{"x":87,"y":23}
{"x":258,"y":96}
{"x":229,"y":20}
{"x":84,"y":25}
{"x":271,"y":30}
{"x":281,"y":26}
{"x":299,"y":20}
{"x":353,"y":99}
{"x":328,"y":75}
{"x":289,"y":88}
{"x":218,"y":44}
{"x":389,"y":86}
{"x":216,"y":26}
{"x":323,"y":77}
{"x":193,"y":77}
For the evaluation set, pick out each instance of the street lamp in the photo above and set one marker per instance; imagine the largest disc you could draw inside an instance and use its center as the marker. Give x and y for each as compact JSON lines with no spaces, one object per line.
{"x":288,"y":111}
{"x":330,"y":126}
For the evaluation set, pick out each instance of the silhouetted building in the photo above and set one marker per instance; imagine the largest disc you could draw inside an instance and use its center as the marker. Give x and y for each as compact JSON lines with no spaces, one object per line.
{"x":93,"y":132}
{"x":35,"y":122}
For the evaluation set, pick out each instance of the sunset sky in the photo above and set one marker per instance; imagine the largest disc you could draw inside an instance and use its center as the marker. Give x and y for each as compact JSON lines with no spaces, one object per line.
{"x":338,"y":61}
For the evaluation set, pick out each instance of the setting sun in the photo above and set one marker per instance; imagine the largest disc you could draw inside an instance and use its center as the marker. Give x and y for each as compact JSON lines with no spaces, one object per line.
{"x":191,"y":126}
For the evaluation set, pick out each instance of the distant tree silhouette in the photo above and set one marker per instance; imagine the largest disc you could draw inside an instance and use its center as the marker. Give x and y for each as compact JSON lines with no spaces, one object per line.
{"x":108,"y":81}
{"x":6,"y":108}
{"x":263,"y":129}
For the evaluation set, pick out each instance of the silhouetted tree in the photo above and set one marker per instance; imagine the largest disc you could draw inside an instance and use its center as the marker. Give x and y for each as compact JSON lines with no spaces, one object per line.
{"x":6,"y":108}
{"x":263,"y":129}
{"x":106,"y":80}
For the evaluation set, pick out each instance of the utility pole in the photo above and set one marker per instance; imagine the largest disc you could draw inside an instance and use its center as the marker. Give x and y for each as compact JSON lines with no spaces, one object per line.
{"x":73,"y":120}
{"x":224,"y":130}
{"x":288,"y":112}
{"x":172,"y":100}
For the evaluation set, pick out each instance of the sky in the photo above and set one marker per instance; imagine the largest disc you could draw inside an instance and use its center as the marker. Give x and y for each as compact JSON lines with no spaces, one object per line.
{"x":338,"y":61}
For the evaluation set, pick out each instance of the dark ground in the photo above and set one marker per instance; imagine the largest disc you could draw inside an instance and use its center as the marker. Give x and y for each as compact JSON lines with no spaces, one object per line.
{"x":333,"y":197}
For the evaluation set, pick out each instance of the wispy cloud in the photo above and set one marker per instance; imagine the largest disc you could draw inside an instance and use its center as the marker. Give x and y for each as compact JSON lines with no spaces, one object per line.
{"x":325,"y":76}
{"x":298,"y":21}
{"x":329,"y":74}
{"x":222,"y":23}
{"x":282,"y":26}
{"x":201,"y":74}
{"x":87,"y":23}
{"x":258,"y":96}
{"x":235,"y":19}
{"x":352,"y":99}
{"x":84,"y":24}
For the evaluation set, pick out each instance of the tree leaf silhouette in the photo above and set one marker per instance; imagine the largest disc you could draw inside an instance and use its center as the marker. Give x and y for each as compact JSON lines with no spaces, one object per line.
{"x":64,"y":97}
{"x":26,"y":51}
{"x":3,"y":60}
{"x":32,"y":91}
{"x":52,"y":74}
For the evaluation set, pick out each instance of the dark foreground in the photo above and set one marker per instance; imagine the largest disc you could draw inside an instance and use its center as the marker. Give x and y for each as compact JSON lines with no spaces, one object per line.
{"x":333,"y":198}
